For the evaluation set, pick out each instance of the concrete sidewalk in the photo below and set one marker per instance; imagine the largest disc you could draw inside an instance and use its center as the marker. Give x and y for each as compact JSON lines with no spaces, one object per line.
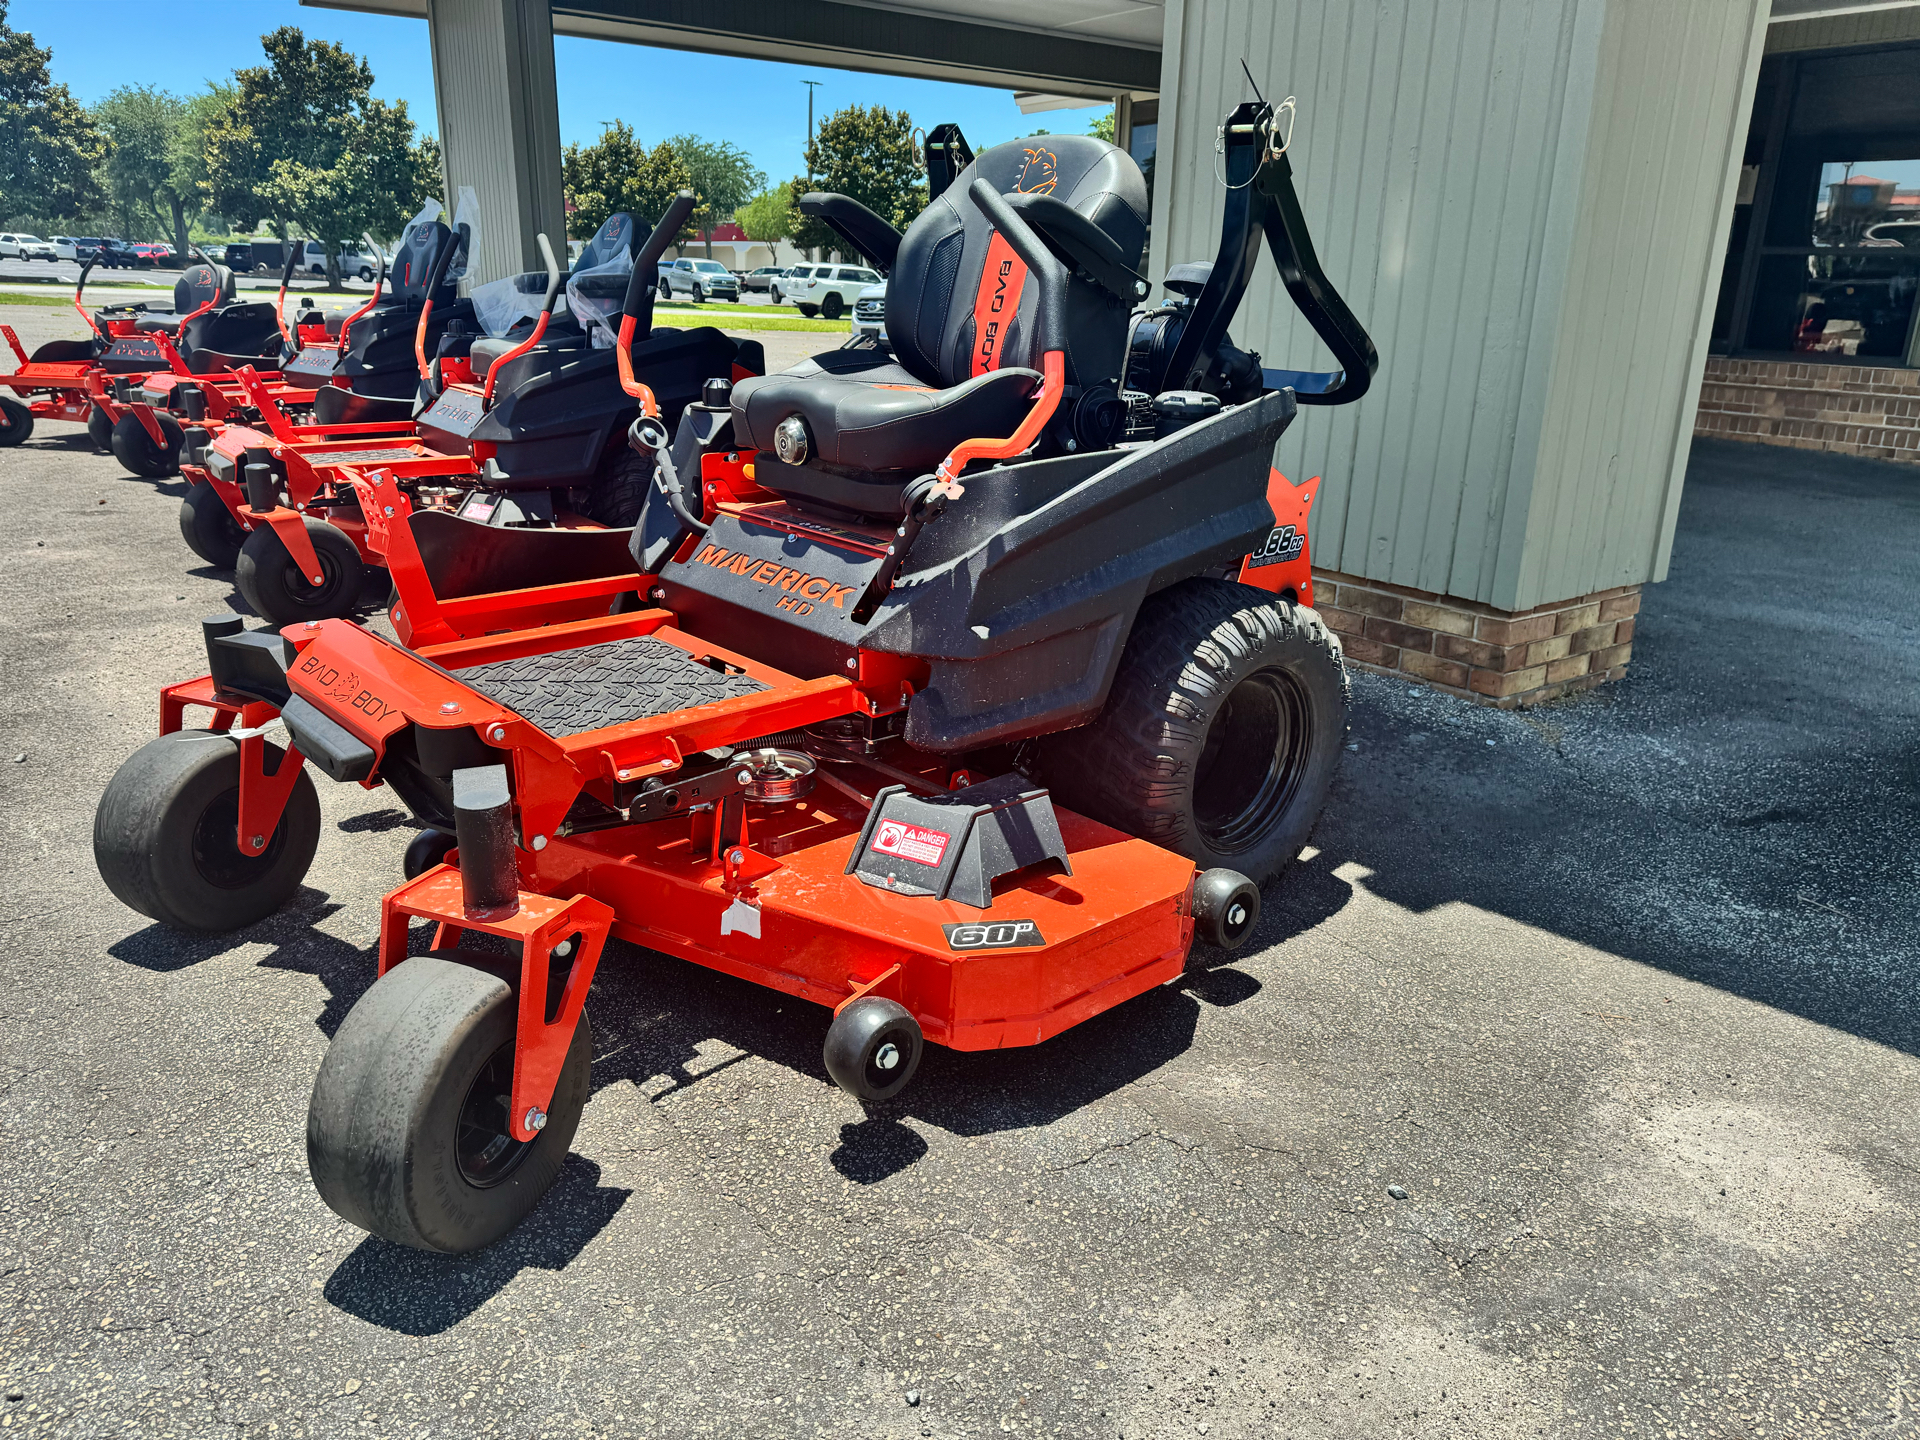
{"x":1621,"y":992}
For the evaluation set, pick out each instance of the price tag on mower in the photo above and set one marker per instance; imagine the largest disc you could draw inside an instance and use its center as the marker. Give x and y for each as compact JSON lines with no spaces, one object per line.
{"x":457,"y":412}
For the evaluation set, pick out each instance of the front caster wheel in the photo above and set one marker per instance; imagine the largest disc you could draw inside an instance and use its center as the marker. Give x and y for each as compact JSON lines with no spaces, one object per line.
{"x":424,"y":852}
{"x":1227,"y":907}
{"x":135,"y":449}
{"x":166,"y":836}
{"x":873,"y":1048}
{"x":100,"y":430}
{"x":407,"y":1133}
{"x":19,"y":422}
{"x":270,"y":582}
{"x":209,"y":528}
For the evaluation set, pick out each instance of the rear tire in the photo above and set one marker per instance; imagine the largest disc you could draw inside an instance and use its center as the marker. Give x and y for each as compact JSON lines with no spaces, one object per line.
{"x":620,"y":489}
{"x":166,"y":843}
{"x":209,"y":528}
{"x":406,"y":1136}
{"x":270,"y":582}
{"x":1222,"y":732}
{"x":135,"y":450}
{"x":19,"y":422}
{"x":100,"y":430}
{"x":833,"y":307}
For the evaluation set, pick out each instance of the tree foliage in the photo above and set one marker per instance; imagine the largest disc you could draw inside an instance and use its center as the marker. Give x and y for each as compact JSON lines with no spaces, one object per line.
{"x":865,"y":152}
{"x":724,"y":177}
{"x":143,"y":125}
{"x":1101,"y":127}
{"x":768,"y":217}
{"x":293,"y":109}
{"x":50,"y":148}
{"x":304,"y":140}
{"x":616,"y":173}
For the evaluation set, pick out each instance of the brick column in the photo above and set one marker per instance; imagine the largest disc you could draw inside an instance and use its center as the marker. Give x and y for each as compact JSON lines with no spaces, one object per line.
{"x":1849,"y":409}
{"x":1497,"y":657}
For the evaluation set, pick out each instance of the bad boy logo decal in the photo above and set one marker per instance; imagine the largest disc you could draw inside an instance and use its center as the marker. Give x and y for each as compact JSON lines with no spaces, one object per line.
{"x":1039,"y":174}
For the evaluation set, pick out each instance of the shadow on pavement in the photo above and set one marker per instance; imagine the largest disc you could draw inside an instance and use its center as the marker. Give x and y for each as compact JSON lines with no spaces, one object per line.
{"x":419,"y":1293}
{"x":1741,"y":809}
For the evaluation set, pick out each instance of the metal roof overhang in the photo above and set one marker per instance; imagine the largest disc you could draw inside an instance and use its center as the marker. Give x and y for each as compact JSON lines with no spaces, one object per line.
{"x":1097,"y":48}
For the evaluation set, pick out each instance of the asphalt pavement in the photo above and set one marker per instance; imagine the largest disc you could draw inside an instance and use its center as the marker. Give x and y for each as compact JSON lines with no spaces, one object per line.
{"x":1617,"y":995}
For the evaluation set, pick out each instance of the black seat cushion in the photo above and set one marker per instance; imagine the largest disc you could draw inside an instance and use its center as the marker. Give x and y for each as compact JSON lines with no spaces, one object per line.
{"x":887,"y":420}
{"x":164,"y":321}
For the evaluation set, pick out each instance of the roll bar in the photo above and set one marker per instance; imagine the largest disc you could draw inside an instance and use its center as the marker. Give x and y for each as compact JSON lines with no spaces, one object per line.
{"x":639,"y":303}
{"x":286,"y":275}
{"x":948,"y":153}
{"x":436,"y":275}
{"x":540,"y":326}
{"x":1261,"y":203}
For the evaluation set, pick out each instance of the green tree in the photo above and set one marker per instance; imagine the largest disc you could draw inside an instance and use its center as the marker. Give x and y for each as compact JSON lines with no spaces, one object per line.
{"x":724,"y":177}
{"x":50,"y":148}
{"x":616,"y":173}
{"x":144,"y":124}
{"x":769,"y":216}
{"x":865,"y":152}
{"x":188,"y":157}
{"x":376,"y":181}
{"x":295,"y":109}
{"x":1101,"y":127}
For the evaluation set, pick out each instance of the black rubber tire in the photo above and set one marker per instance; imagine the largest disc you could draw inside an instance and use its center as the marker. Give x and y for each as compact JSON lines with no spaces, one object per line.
{"x":270,"y":582}
{"x":19,"y":424}
{"x":100,"y":430}
{"x":164,"y":836}
{"x":833,"y":307}
{"x":1151,"y":763}
{"x":1227,"y":908}
{"x":135,"y":450}
{"x":384,"y":1128}
{"x":209,"y":528}
{"x":620,"y":490}
{"x":698,"y":296}
{"x":808,"y":311}
{"x":873,"y":1049}
{"x":424,"y":852}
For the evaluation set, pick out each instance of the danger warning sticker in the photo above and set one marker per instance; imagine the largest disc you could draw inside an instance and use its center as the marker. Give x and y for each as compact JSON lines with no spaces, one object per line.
{"x":911,"y":843}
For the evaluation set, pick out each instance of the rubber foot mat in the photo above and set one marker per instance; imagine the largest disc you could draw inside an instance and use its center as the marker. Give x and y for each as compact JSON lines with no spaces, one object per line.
{"x":570,"y":691}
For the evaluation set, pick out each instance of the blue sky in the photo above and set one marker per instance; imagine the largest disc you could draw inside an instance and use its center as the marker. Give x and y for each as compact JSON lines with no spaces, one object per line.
{"x":759,"y":105}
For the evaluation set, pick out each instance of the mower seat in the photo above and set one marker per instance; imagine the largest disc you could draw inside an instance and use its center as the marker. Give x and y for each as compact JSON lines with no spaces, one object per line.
{"x":874,"y":425}
{"x":196,"y":286}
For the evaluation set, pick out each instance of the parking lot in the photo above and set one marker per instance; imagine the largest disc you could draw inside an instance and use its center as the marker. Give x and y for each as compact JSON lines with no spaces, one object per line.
{"x":1620,"y":993}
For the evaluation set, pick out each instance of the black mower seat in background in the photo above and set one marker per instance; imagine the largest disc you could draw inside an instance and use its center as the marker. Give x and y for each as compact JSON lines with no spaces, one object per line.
{"x":867,"y":436}
{"x":334,"y":405}
{"x":196,"y":286}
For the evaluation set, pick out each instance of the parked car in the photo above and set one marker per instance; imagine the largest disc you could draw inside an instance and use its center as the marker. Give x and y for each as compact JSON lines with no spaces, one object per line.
{"x":21,"y":246}
{"x":115,"y":254}
{"x":149,"y":254}
{"x":870,"y":312}
{"x":700,"y":279}
{"x":778,"y":286}
{"x":761,"y":279}
{"x":828,"y":290}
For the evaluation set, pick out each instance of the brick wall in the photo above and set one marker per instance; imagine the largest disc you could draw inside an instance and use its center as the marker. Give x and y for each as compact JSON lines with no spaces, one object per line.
{"x":1497,"y":657}
{"x":1852,"y":409}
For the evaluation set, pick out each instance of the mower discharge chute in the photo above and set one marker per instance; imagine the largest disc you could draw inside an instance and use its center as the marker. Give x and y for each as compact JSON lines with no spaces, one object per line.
{"x":971,"y":688}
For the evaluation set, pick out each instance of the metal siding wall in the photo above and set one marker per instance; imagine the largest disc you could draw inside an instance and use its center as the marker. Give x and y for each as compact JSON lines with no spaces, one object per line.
{"x":1670,"y":115}
{"x":1441,"y":159}
{"x":500,"y":125}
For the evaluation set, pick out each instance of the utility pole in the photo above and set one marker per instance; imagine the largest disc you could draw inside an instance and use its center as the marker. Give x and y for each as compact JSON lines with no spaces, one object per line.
{"x":811,"y":85}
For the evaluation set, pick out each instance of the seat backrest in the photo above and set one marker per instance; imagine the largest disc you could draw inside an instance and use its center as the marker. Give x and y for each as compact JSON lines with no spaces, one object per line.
{"x":414,"y":263}
{"x":200,"y":283}
{"x":943,"y":297}
{"x":618,"y":236}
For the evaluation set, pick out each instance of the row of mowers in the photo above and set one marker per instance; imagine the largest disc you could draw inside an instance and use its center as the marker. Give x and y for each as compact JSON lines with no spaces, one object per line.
{"x":959,"y":684}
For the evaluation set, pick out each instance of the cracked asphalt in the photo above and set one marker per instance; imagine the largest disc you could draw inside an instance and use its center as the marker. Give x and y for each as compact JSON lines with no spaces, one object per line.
{"x":1620,"y":992}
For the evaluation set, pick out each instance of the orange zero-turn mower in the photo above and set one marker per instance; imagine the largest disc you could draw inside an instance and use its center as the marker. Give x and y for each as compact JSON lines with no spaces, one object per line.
{"x":963,"y":739}
{"x":515,"y":473}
